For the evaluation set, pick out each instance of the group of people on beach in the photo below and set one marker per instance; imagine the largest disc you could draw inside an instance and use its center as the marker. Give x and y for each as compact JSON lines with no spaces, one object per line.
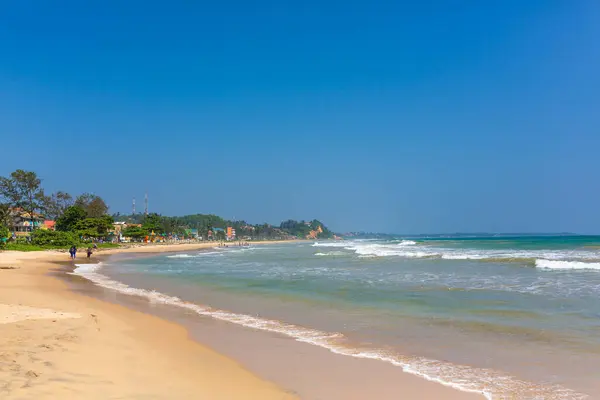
{"x":73,"y":251}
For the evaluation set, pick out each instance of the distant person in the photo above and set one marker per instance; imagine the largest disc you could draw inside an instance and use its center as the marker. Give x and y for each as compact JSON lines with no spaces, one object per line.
{"x":95,"y":246}
{"x":72,"y":252}
{"x":89,"y":252}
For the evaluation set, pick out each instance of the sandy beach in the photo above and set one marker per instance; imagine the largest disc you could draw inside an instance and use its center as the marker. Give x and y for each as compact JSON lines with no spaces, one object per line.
{"x":57,"y":343}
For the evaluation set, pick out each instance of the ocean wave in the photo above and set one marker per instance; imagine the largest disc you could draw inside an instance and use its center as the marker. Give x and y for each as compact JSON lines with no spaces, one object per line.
{"x":414,"y":250}
{"x":331,"y":244}
{"x":201,"y":254}
{"x":181,"y":256}
{"x":359,"y":243}
{"x":387,"y":252}
{"x":407,"y":243}
{"x":462,"y":256}
{"x":566,"y":265}
{"x":331,"y":253}
{"x":489,"y":383}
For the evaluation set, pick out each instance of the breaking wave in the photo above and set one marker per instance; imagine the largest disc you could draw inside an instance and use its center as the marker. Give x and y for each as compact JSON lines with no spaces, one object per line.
{"x":566,"y":265}
{"x":181,"y":256}
{"x":489,"y":383}
{"x":547,"y":259}
{"x":332,"y":253}
{"x":201,"y":254}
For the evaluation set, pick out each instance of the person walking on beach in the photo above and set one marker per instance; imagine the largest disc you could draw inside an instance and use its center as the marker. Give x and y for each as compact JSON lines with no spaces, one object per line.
{"x":72,"y":252}
{"x":89,"y":252}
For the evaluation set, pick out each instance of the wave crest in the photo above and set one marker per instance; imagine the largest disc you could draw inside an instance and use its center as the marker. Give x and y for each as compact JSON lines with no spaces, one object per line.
{"x":566,"y":265}
{"x":331,"y":253}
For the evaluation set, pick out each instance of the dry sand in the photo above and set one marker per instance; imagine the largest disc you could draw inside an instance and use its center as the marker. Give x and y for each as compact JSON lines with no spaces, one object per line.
{"x":55,"y":344}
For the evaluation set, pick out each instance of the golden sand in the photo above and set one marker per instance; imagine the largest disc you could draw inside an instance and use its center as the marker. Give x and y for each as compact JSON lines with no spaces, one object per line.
{"x":55,"y":344}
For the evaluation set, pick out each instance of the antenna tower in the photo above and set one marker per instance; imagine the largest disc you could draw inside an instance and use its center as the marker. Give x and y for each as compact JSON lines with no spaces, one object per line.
{"x":146,"y":204}
{"x":133,"y":206}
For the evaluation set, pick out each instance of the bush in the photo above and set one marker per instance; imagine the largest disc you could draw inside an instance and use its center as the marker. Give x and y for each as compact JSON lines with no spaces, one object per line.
{"x":4,"y":234}
{"x":20,"y":240}
{"x":42,"y":237}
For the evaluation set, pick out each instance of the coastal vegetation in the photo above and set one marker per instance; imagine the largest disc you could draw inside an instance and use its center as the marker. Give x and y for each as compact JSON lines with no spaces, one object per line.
{"x":30,"y":219}
{"x":206,"y":224}
{"x":25,"y":208}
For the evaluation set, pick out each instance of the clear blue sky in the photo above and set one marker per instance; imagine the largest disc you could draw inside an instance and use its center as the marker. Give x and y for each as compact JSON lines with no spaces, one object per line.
{"x":386,"y":116}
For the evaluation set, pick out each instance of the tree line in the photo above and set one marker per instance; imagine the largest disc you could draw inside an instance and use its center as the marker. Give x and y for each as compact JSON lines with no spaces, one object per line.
{"x":77,"y":219}
{"x":206,"y":224}
{"x":86,"y":217}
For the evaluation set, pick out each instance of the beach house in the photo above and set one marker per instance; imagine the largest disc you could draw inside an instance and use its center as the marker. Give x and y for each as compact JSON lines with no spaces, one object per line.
{"x":23,"y":223}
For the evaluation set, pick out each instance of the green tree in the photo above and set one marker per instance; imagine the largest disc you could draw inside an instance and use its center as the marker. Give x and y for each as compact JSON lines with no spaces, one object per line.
{"x":6,"y":218}
{"x":134,"y":232}
{"x":94,"y":205}
{"x":94,"y":227}
{"x":219,"y":235}
{"x":169,"y":225}
{"x":43,"y":237}
{"x":23,"y":189}
{"x":56,"y":204}
{"x":303,"y":228}
{"x":153,"y":223}
{"x":70,"y":218}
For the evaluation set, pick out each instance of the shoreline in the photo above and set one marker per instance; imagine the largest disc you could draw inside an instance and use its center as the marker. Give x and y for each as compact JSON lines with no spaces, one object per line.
{"x":61,"y":344}
{"x":411,"y":386}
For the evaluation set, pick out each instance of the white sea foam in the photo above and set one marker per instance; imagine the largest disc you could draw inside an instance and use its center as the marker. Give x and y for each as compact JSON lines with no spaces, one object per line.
{"x":332,"y":253}
{"x":181,"y":256}
{"x":486,"y":382}
{"x":87,"y":268}
{"x":463,"y":256}
{"x":407,"y":243}
{"x":361,"y":243}
{"x":201,"y":254}
{"x":412,"y":249}
{"x":386,"y":251}
{"x":566,"y":265}
{"x":332,"y":244}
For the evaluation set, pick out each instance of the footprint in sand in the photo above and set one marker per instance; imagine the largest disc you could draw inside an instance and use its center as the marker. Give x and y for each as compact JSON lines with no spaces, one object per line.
{"x":10,"y":313}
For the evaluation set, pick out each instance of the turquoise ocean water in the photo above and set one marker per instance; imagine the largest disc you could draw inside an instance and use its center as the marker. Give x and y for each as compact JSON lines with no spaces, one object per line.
{"x":510,"y":317}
